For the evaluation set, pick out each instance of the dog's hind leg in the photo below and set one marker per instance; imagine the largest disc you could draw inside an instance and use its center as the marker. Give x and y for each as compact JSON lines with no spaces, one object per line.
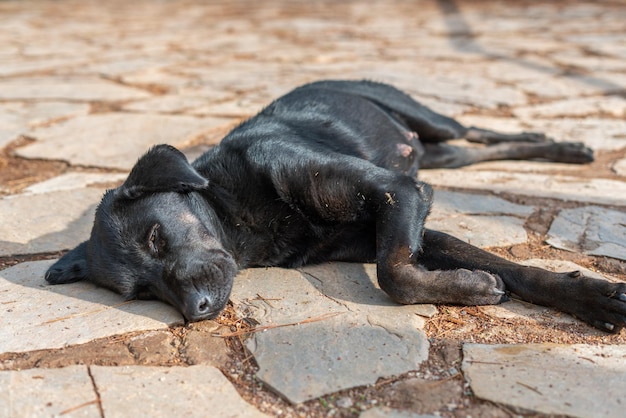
{"x":487,"y":136}
{"x":443,"y":155}
{"x":600,"y":303}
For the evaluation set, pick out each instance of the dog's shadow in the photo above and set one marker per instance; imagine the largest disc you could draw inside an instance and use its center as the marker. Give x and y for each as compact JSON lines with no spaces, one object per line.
{"x":347,"y":282}
{"x":30,"y":299}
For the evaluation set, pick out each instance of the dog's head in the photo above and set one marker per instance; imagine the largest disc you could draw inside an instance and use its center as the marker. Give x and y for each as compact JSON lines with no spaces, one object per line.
{"x":156,"y":237}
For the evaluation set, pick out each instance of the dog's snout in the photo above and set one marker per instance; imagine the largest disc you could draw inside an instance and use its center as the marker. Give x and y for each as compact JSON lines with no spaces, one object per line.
{"x":201,"y":307}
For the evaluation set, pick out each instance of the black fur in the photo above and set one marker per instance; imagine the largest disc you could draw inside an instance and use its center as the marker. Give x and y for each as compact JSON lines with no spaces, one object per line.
{"x":326,"y":172}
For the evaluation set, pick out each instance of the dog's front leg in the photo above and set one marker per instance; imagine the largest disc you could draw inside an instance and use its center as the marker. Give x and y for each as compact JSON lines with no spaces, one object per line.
{"x":399,"y":229}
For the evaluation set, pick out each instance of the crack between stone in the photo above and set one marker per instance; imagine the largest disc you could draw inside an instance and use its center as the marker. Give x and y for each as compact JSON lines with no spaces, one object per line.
{"x":388,"y":331}
{"x":340,"y":303}
{"x":97,"y":392}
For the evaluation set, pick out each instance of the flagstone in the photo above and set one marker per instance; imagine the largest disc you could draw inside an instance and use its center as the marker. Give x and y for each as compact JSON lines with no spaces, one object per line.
{"x":554,"y":186}
{"x":620,"y":167}
{"x":46,"y":222}
{"x":66,"y":88}
{"x":114,"y":140}
{"x":590,"y":230}
{"x":358,"y":333}
{"x":68,"y":314}
{"x":557,"y":87}
{"x":195,"y":391}
{"x":17,"y":118}
{"x":167,"y":104}
{"x":587,"y":106}
{"x":66,"y":392}
{"x":482,"y":220}
{"x":386,"y":412}
{"x":73,"y":180}
{"x":597,"y":133}
{"x":574,"y":380}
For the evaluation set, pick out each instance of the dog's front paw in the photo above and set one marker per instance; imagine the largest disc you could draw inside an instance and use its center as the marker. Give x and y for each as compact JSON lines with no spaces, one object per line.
{"x":482,"y":288}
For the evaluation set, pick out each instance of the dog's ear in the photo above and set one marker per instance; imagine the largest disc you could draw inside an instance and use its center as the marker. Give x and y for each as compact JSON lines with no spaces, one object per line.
{"x":72,"y":267}
{"x":162,"y":169}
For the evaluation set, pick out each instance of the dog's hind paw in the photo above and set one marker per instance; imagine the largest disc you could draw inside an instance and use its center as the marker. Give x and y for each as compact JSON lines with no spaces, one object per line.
{"x":600,"y":303}
{"x":572,"y":153}
{"x":534,"y":137}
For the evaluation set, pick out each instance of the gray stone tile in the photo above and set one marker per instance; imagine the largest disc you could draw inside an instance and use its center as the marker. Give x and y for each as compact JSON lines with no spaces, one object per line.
{"x":35,"y":228}
{"x":167,"y":104}
{"x":595,"y":190}
{"x":470,"y":91}
{"x":558,"y":87}
{"x":196,"y":391}
{"x":66,"y":392}
{"x":73,"y":180}
{"x":237,"y":108}
{"x":589,"y":62}
{"x":587,"y":106}
{"x":385,"y":412}
{"x":18,"y":118}
{"x":14,"y":67}
{"x":620,"y":167}
{"x":482,"y":220}
{"x":114,"y":140}
{"x":498,"y":124}
{"x":38,"y":316}
{"x":573,"y":380}
{"x":591,"y":230}
{"x":597,"y":133}
{"x":343,"y":331}
{"x":66,"y":88}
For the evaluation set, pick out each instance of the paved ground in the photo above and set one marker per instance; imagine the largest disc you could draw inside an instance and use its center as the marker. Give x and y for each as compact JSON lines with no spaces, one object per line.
{"x":87,"y":87}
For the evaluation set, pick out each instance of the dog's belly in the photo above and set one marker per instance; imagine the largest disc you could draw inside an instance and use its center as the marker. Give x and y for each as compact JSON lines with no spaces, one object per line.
{"x":297,"y":241}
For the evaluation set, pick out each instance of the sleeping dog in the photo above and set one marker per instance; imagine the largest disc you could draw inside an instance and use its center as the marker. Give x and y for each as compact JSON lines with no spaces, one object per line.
{"x":326,"y":172}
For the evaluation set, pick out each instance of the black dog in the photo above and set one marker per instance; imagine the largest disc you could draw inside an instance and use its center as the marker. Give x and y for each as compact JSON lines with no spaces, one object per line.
{"x":327,"y":172}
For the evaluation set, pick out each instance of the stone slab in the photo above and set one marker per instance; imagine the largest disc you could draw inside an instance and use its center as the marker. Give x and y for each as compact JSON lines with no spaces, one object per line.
{"x":595,"y":132}
{"x":335,"y":329}
{"x":37,"y":316}
{"x":556,"y":186}
{"x":465,"y":91}
{"x":195,"y":391}
{"x":558,"y":87}
{"x":167,"y":104}
{"x":591,"y":230}
{"x":575,"y":380}
{"x":588,"y":106}
{"x":66,"y":392}
{"x":620,"y":167}
{"x":385,"y":412}
{"x":481,"y":220}
{"x":67,"y":88}
{"x":114,"y":140}
{"x":18,"y":118}
{"x":46,"y":222}
{"x":74,"y":180}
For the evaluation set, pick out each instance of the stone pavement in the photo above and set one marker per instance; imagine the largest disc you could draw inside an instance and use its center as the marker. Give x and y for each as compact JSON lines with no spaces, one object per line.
{"x":87,"y":87}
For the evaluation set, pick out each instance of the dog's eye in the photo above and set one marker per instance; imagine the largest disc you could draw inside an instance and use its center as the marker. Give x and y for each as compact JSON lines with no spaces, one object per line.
{"x":156,"y":243}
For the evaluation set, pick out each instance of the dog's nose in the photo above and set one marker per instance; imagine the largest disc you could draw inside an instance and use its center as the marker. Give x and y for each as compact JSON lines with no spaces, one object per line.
{"x":201,"y":308}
